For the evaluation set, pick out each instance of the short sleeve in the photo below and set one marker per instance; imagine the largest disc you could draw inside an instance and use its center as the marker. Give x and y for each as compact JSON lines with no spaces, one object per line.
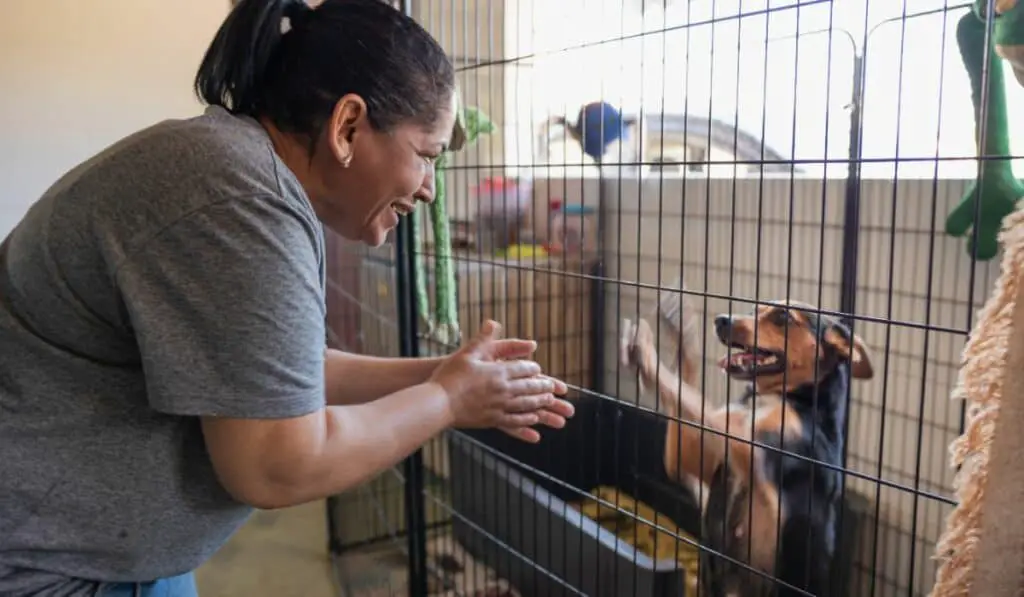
{"x":227,"y":307}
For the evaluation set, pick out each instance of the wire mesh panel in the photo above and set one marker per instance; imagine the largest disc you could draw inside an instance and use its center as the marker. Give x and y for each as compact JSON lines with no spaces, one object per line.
{"x":699,"y":165}
{"x":362,"y":318}
{"x":537,"y":297}
{"x":368,"y":525}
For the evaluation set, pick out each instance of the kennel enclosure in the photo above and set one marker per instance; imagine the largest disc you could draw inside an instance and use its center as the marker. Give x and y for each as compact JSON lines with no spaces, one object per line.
{"x":833,"y":194}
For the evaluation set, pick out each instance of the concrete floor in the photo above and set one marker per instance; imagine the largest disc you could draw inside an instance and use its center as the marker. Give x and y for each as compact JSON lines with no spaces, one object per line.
{"x":281,"y":553}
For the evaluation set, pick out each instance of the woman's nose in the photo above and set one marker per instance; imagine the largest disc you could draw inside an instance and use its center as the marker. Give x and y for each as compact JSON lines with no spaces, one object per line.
{"x":426,"y":190}
{"x":425,"y":194}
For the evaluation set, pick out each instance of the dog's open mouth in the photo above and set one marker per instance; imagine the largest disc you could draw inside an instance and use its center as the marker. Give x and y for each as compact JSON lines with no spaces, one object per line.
{"x":748,"y":362}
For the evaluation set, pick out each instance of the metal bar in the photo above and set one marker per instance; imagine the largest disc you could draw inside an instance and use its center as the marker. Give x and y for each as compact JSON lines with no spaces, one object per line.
{"x":334,"y":546}
{"x":851,"y":206}
{"x":851,"y":236}
{"x":415,"y":511}
{"x":415,"y":508}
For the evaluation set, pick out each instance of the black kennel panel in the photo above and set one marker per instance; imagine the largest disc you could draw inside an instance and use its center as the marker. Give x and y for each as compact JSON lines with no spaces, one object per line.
{"x":512,"y":495}
{"x":512,"y":502}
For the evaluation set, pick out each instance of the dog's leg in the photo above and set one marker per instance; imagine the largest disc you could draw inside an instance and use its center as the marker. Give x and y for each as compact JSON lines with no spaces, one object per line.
{"x":680,"y":318}
{"x":696,"y":445}
{"x":637,"y":350}
{"x":680,"y":322}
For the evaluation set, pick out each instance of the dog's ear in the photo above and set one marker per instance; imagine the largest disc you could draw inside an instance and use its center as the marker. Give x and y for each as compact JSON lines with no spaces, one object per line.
{"x":850,"y":347}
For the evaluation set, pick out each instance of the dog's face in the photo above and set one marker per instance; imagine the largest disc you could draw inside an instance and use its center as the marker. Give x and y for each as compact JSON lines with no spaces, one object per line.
{"x":786,"y":345}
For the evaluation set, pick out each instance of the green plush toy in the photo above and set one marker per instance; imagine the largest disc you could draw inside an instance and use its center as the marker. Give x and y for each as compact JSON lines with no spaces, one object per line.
{"x":995,"y":194}
{"x":470,"y":123}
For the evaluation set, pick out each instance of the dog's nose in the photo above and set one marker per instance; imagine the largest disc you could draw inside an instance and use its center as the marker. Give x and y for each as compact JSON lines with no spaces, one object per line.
{"x":722,"y":324}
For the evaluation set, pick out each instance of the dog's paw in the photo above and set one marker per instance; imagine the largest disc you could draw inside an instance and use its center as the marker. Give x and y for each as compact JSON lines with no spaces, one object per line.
{"x":636,"y":347}
{"x":626,"y":343}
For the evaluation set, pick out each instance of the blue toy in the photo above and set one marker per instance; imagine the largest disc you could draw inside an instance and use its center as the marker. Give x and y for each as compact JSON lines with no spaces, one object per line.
{"x":598,"y":125}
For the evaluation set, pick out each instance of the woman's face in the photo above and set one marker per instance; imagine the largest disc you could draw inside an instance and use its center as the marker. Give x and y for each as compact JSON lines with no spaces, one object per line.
{"x":363,"y":179}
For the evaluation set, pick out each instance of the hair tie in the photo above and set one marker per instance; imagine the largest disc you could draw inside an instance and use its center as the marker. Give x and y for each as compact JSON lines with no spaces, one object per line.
{"x":297,"y":12}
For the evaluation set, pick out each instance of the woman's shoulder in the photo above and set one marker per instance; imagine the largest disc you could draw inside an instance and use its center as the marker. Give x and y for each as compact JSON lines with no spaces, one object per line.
{"x":165,"y":173}
{"x":218,"y":149}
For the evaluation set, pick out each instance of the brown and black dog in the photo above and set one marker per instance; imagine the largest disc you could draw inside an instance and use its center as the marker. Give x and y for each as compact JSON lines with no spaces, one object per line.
{"x":769,"y":505}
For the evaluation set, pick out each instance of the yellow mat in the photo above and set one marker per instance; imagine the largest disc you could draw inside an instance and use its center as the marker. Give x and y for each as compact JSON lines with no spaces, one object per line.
{"x":654,"y":542}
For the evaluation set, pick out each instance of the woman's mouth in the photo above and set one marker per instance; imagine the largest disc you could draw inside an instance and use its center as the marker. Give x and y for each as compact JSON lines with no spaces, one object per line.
{"x":403,"y":209}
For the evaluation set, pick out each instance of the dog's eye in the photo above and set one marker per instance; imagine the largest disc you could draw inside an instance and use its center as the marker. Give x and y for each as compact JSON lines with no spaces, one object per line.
{"x":781,"y":317}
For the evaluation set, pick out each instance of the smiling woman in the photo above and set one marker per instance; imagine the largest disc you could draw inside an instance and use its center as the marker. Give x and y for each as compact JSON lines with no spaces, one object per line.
{"x":361,"y":140}
{"x":162,"y":310}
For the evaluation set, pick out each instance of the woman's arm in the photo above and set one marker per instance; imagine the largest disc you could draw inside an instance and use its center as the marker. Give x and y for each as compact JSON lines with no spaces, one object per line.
{"x":356,"y":379}
{"x":278,"y":462}
{"x":274,"y":463}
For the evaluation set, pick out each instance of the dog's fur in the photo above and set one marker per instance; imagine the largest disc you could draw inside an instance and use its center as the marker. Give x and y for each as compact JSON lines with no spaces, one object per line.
{"x":771,"y":511}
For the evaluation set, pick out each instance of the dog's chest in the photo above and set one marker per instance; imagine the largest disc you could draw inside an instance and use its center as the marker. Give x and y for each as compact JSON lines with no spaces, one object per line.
{"x":742,"y":526}
{"x":766,"y":413}
{"x":761,"y":404}
{"x":744,"y":513}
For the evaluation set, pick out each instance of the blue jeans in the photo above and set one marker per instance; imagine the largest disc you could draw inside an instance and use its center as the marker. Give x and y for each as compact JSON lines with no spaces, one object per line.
{"x":175,"y":586}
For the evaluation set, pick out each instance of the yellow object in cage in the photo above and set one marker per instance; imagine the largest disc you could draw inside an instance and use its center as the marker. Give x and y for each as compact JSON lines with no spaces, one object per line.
{"x":631,"y":529}
{"x":523,"y":252}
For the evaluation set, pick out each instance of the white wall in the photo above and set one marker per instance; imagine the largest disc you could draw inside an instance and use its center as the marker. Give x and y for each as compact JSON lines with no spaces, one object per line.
{"x":76,"y":76}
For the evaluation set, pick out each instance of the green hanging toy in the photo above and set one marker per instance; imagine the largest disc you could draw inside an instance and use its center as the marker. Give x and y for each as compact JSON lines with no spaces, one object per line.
{"x":996,"y":192}
{"x":470,"y":123}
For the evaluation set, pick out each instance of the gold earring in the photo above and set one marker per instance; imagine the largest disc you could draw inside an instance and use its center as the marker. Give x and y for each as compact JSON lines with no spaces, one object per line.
{"x":347,"y":161}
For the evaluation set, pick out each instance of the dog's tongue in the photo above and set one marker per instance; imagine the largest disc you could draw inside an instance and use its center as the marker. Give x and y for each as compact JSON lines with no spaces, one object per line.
{"x":735,"y":358}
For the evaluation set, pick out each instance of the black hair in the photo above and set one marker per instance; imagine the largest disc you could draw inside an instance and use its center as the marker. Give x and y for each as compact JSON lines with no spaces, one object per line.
{"x":295,"y":76}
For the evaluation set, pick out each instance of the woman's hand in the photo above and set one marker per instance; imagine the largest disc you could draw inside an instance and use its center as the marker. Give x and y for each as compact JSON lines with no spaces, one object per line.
{"x":487,"y":386}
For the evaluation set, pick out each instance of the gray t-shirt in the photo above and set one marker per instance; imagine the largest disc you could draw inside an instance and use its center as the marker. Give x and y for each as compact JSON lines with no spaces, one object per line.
{"x":179,"y":273}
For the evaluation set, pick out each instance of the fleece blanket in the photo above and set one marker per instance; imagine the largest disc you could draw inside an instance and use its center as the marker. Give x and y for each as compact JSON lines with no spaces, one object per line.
{"x":981,"y":552}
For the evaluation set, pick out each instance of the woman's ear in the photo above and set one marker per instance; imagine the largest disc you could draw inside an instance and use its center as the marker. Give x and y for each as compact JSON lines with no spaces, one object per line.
{"x":348,"y":116}
{"x":850,"y":347}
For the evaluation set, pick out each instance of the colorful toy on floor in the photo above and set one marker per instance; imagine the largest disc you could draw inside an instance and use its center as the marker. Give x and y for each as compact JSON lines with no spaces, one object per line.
{"x":656,"y":543}
{"x":996,"y":192}
{"x":521,"y":251}
{"x":502,"y":205}
{"x":444,"y":326}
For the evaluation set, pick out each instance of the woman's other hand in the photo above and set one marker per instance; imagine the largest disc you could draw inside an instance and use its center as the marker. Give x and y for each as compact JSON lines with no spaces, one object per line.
{"x":488,"y":384}
{"x":551,"y":416}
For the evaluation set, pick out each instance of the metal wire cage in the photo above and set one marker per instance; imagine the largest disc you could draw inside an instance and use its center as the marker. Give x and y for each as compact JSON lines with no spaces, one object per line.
{"x":770,"y":149}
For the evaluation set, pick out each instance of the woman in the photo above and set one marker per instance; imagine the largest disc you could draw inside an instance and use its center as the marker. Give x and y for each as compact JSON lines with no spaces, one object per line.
{"x":162,"y":310}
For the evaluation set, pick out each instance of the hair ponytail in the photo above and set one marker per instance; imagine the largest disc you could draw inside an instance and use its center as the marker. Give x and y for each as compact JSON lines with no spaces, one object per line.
{"x":294,"y":79}
{"x":234,"y":69}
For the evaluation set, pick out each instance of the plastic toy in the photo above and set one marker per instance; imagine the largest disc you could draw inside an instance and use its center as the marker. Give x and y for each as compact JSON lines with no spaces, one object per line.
{"x":502,"y":205}
{"x":598,"y":125}
{"x":996,"y":192}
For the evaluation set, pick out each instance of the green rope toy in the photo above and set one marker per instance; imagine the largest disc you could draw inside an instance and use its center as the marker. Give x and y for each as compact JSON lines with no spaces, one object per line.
{"x":996,"y":192}
{"x":470,"y":123}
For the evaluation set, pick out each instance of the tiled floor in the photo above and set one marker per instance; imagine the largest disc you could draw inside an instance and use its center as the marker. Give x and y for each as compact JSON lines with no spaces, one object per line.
{"x":281,"y":553}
